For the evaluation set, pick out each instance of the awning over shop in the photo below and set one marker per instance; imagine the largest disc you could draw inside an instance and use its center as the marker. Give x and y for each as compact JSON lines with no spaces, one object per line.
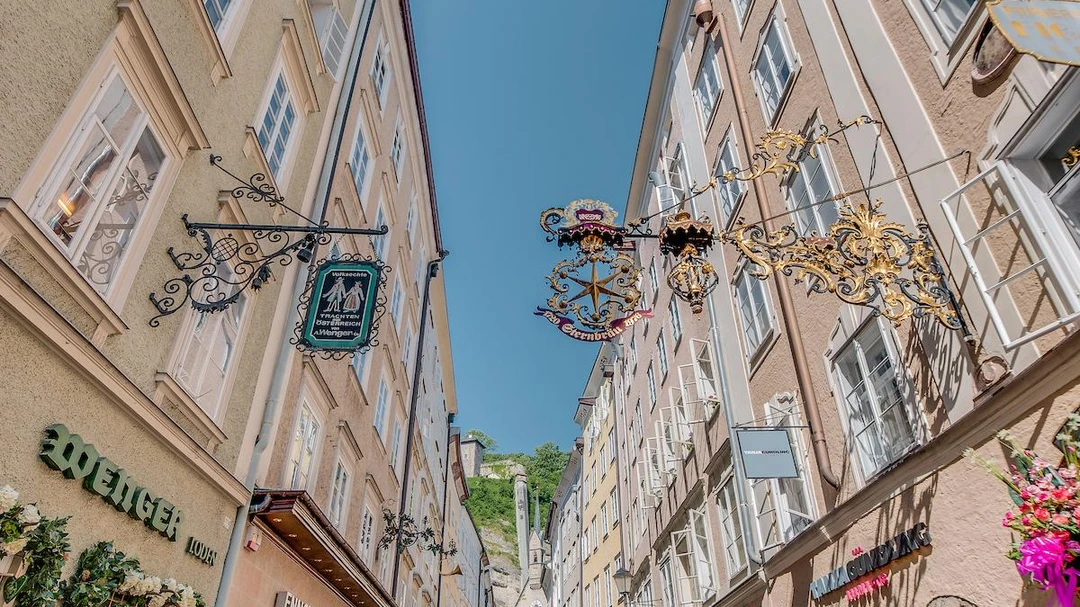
{"x":299,"y":522}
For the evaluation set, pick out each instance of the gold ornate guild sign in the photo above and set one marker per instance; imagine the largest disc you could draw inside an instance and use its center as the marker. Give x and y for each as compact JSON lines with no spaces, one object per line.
{"x":595,"y":292}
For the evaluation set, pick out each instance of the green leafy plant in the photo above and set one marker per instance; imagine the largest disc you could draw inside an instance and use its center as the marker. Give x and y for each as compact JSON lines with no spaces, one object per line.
{"x":17,"y":520}
{"x":46,"y":550}
{"x":103,"y":573}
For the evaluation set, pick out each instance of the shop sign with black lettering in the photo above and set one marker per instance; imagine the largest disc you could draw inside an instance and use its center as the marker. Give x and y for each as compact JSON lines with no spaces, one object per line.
{"x":342,"y":306}
{"x":767,"y":453}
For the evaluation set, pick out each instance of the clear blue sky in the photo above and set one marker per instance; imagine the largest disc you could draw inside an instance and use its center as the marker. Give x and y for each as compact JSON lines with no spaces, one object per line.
{"x":530,"y":104}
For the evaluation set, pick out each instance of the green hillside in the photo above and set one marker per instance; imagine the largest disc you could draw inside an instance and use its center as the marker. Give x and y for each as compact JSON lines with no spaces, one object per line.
{"x":491,"y":500}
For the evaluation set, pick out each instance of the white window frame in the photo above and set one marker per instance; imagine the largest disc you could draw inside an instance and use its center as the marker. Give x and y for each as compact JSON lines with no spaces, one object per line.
{"x":383,"y":405}
{"x":338,"y":501}
{"x":332,"y":34}
{"x":397,"y":150}
{"x":905,"y":385}
{"x":741,"y":8}
{"x":361,"y":175}
{"x":397,"y":302}
{"x":946,"y":55}
{"x":676,"y":164}
{"x":734,"y":189}
{"x":676,"y":320}
{"x":380,"y":243}
{"x":116,"y":289}
{"x":732,"y":533}
{"x":818,"y":224}
{"x":707,"y":107}
{"x":777,"y":21}
{"x":381,"y":59}
{"x":651,"y":379}
{"x":765,"y":335}
{"x":662,"y":355}
{"x":284,"y":168}
{"x":368,"y":524}
{"x":309,"y":404}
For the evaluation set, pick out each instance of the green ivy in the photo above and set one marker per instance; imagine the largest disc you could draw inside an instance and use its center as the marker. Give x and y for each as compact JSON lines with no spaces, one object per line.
{"x":99,"y":571}
{"x":44,"y":554}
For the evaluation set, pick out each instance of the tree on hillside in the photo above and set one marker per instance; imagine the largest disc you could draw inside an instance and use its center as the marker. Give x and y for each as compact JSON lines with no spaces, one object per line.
{"x":485,"y":440}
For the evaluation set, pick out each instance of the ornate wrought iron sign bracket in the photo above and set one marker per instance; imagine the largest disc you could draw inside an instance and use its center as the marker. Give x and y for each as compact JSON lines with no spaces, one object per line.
{"x":216,"y":276}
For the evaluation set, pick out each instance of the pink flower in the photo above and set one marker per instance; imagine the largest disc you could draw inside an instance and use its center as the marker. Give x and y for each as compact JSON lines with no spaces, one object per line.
{"x":1061,"y":495}
{"x":1025,"y":521}
{"x":1060,"y":520}
{"x":1042,"y":514}
{"x":1044,"y":560}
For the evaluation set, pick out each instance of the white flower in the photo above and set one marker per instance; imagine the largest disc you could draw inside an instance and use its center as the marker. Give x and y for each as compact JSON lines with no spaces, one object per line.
{"x":131,"y":581}
{"x":16,"y":546}
{"x":170,"y":584}
{"x":157,"y":601}
{"x":29,"y":515}
{"x":187,"y":599}
{"x":9,"y":498}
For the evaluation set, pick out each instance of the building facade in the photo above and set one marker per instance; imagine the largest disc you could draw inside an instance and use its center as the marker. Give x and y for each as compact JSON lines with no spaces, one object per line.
{"x":234,"y":464}
{"x":562,"y":576}
{"x":972,"y":140}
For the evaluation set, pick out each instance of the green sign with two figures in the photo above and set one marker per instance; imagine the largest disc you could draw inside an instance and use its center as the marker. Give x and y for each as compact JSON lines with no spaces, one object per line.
{"x":342,"y":306}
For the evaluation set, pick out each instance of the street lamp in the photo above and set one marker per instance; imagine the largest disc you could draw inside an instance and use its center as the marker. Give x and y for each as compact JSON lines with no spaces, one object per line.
{"x":622,"y":583}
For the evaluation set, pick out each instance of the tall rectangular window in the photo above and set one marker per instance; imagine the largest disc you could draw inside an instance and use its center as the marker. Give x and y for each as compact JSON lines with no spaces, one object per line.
{"x":276,"y":126}
{"x":302,"y":449}
{"x":731,"y":528}
{"x":873,"y":397}
{"x":103,"y":186}
{"x":397,"y":151}
{"x":949,"y":16}
{"x":605,"y":524}
{"x":809,"y":186}
{"x":395,"y":447}
{"x":654,"y":279}
{"x":332,"y":33}
{"x":661,"y":354}
{"x":709,"y":84}
{"x":396,"y":303}
{"x":367,"y":531}
{"x":773,"y":68}
{"x":381,"y":72}
{"x":207,"y":355}
{"x":740,"y":7}
{"x":360,"y":163}
{"x":652,"y":386}
{"x":728,"y":191}
{"x":753,"y":311}
{"x":676,"y":320}
{"x":379,"y":243}
{"x":339,"y":494}
{"x":381,"y":407}
{"x":667,"y":583}
{"x":614,"y":501}
{"x":410,"y":220}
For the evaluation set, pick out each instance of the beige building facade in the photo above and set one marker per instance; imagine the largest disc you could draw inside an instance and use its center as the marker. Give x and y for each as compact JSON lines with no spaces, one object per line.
{"x":251,"y":472}
{"x":971,"y":141}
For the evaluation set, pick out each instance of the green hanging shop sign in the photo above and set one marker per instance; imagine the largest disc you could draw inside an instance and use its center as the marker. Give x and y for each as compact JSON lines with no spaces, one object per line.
{"x":342,"y":306}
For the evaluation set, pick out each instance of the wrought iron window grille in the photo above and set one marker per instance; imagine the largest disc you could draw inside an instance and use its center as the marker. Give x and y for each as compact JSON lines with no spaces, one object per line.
{"x":405,"y":532}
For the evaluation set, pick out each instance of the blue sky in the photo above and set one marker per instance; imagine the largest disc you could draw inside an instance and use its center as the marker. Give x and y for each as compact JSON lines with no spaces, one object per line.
{"x":530,"y":104}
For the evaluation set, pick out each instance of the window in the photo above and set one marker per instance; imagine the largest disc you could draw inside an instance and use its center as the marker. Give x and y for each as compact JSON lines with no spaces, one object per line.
{"x":791,"y":496}
{"x":652,"y":386}
{"x":809,"y":186}
{"x":948,"y":16}
{"x":872,"y":394}
{"x":585,"y":546}
{"x":607,"y":586}
{"x":614,"y":501}
{"x":605,"y":526}
{"x":731,"y":527}
{"x":661,"y":354}
{"x":207,"y":354}
{"x":380,"y":242}
{"x":632,"y":351}
{"x":709,"y":84}
{"x":339,"y":494}
{"x":603,"y":460}
{"x":381,"y":72}
{"x":332,"y":33}
{"x":395,"y":446}
{"x":740,"y":7}
{"x":302,"y":450}
{"x":397,"y":151}
{"x":693,"y":559}
{"x":728,"y":191}
{"x":593,"y":528}
{"x":395,"y":304}
{"x":676,"y":321}
{"x":676,"y":178}
{"x":216,"y":10}
{"x":611,"y":445}
{"x":360,"y":163}
{"x":654,"y":279}
{"x":103,"y":186}
{"x":359,"y":365}
{"x":276,"y":126}
{"x":367,"y":531}
{"x":667,"y":584}
{"x":773,"y":67}
{"x":383,"y":404}
{"x":407,"y":348}
{"x":410,"y":221}
{"x":753,"y":311}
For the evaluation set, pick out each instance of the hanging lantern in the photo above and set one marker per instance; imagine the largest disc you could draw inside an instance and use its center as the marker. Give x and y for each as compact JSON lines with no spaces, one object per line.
{"x":688,"y":239}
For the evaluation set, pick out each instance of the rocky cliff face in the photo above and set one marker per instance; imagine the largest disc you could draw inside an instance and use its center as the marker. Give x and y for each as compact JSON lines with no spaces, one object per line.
{"x":505,"y":573}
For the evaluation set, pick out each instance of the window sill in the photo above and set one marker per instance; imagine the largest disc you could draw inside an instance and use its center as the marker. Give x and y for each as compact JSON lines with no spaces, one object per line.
{"x":15,"y":223}
{"x":167,"y":386}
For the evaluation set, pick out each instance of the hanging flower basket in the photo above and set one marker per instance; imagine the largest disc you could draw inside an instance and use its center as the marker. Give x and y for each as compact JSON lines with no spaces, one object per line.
{"x":1047,"y":513}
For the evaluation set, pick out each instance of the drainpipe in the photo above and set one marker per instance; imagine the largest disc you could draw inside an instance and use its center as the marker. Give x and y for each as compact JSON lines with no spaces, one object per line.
{"x":281,"y":365}
{"x":414,"y":399}
{"x":445,"y":499}
{"x":783,"y":292}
